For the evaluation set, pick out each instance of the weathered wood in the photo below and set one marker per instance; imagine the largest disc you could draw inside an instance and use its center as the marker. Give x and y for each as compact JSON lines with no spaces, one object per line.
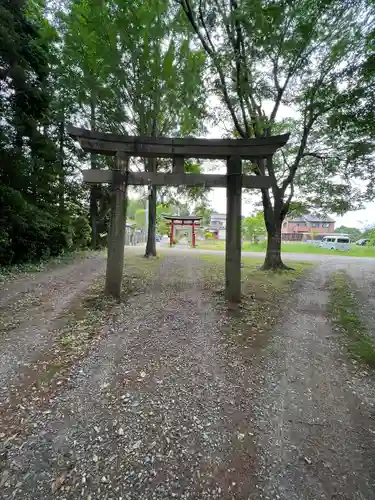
{"x":178,"y":164}
{"x":116,"y":233}
{"x":97,"y":176}
{"x":233,"y":230}
{"x":165,"y":179}
{"x":232,"y":150}
{"x":77,"y":133}
{"x":148,"y":149}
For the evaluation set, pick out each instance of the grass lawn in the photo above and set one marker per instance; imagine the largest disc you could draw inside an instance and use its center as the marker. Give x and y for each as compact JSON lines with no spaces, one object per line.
{"x":355,"y":251}
{"x":344,"y":307}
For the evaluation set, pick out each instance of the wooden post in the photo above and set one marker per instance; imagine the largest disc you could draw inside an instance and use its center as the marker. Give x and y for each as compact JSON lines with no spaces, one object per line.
{"x":178,"y":164}
{"x":171,"y":238}
{"x":193,"y":236}
{"x":233,"y":230}
{"x":116,"y":233}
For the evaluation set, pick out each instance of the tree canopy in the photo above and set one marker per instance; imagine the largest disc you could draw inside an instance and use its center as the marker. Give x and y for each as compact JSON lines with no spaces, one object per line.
{"x":302,"y":56}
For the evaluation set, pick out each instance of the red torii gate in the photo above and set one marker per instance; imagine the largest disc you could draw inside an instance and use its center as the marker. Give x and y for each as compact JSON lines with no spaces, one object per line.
{"x":192,"y":221}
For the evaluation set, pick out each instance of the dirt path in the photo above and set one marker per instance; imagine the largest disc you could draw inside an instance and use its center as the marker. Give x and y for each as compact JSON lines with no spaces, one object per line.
{"x":30,"y":311}
{"x":168,"y":406}
{"x":316,"y":411}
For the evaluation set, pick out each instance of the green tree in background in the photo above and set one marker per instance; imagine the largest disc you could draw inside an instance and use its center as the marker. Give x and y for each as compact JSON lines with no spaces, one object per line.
{"x":253,"y":227}
{"x":353,"y":232}
{"x":30,"y":227}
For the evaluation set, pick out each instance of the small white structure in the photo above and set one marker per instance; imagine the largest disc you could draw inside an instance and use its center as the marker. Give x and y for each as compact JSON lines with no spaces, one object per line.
{"x":218,"y":225}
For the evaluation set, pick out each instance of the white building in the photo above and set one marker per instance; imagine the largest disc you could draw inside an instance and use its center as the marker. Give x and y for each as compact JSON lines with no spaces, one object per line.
{"x":218,"y":225}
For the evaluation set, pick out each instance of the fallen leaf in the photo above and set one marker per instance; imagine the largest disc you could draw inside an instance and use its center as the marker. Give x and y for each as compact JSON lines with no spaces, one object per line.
{"x":58,"y":482}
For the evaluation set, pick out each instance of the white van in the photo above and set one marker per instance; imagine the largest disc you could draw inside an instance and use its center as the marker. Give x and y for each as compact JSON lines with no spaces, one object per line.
{"x":336,"y":243}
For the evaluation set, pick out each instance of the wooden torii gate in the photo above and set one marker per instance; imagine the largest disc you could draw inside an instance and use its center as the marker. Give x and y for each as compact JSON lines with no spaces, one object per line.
{"x":231,"y":150}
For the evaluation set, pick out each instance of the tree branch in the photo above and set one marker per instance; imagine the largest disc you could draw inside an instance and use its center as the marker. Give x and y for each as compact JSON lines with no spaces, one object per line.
{"x":210,"y":50}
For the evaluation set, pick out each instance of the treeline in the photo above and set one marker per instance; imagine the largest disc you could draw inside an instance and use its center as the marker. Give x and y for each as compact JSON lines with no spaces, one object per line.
{"x":37,"y":218}
{"x":122,"y":67}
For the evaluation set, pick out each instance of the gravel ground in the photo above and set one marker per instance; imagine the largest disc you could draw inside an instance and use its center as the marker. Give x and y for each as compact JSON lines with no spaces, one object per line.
{"x":317,"y":408}
{"x":168,"y":406}
{"x":364,"y":278}
{"x":30,"y":309}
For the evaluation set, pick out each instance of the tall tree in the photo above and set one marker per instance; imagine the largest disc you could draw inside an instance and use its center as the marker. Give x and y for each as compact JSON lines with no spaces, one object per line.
{"x":298,"y":54}
{"x":159,"y":74}
{"x":28,"y":226}
{"x":88,"y":57}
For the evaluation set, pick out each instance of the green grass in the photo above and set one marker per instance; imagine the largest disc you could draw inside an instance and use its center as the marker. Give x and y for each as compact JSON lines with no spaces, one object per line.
{"x":355,"y":251}
{"x":344,"y":307}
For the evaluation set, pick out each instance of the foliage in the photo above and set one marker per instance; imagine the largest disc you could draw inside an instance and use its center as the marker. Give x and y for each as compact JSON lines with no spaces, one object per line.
{"x":107,"y":66}
{"x":31,"y":225}
{"x":140,"y":218}
{"x":204,"y":211}
{"x":162,"y":226}
{"x":353,"y":232}
{"x":253,"y":227}
{"x":303,"y":55}
{"x":133,"y":205}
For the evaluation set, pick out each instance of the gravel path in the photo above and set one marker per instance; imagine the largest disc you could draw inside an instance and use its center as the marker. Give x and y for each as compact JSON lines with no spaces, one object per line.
{"x":364,"y":279}
{"x":30,"y":311}
{"x":318,"y":412}
{"x":168,"y":406}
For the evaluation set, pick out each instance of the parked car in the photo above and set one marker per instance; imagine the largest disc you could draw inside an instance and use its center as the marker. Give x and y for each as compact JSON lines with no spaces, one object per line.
{"x":362,"y":242}
{"x":158,"y":238}
{"x":335,"y":243}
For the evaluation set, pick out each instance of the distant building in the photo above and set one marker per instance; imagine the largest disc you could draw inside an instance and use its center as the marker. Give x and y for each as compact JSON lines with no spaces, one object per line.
{"x":306,"y":227}
{"x":218,"y":225}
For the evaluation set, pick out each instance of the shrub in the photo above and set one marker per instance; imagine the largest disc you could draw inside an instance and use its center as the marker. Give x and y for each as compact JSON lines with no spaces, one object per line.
{"x":81,"y":232}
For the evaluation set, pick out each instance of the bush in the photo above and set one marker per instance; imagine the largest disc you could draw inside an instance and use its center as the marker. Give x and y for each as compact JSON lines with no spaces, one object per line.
{"x":25,"y":229}
{"x":81,"y":232}
{"x":30,"y":233}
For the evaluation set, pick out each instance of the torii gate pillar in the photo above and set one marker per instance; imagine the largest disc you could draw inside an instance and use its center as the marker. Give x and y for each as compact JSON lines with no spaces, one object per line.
{"x":116,"y":233}
{"x":233,"y":230}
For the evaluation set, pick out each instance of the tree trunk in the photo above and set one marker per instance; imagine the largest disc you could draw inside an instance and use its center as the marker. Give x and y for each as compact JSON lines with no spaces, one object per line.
{"x":151,"y":233}
{"x":273,"y":218}
{"x":273,"y":253}
{"x":61,"y":158}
